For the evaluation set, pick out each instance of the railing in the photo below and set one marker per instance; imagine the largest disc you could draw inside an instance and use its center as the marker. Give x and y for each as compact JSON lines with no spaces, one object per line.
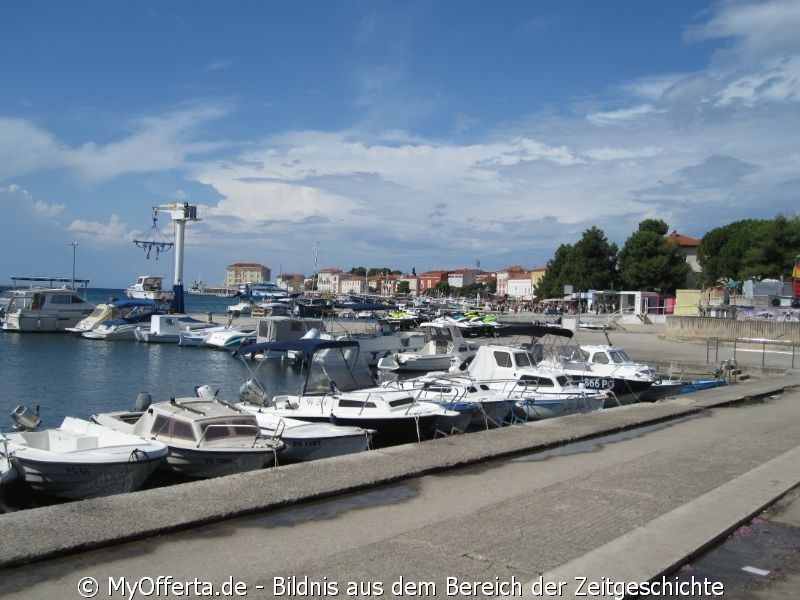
{"x":764,"y":343}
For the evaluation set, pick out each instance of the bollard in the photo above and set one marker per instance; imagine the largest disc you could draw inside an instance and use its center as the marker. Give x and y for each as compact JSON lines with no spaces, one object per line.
{"x":209,"y":317}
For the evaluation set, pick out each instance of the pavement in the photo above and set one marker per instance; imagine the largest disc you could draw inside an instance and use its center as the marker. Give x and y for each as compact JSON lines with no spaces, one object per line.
{"x":602,"y":500}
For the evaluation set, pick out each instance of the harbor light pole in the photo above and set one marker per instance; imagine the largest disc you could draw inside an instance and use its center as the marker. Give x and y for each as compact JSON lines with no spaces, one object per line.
{"x":74,"y":246}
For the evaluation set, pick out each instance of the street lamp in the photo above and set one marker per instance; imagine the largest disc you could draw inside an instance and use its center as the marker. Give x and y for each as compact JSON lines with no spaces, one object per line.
{"x":74,"y":245}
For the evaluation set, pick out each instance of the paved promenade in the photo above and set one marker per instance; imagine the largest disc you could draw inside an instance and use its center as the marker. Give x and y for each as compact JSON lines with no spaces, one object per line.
{"x":620,"y":496}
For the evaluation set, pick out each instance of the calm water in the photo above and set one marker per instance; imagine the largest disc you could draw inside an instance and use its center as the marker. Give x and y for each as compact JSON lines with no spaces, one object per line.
{"x":72,"y":376}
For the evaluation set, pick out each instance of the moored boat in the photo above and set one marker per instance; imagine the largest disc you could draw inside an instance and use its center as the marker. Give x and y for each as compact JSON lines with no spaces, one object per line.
{"x":206,"y":437}
{"x":44,"y":309}
{"x":81,"y":459}
{"x":150,"y":287}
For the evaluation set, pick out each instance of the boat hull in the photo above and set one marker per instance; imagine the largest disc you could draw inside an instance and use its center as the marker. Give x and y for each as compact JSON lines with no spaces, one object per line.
{"x":300,"y":448}
{"x":536,"y":409}
{"x":205,"y":463}
{"x":77,"y":481}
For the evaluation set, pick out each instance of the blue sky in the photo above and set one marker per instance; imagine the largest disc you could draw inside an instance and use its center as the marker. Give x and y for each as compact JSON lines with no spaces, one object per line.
{"x":424,"y":134}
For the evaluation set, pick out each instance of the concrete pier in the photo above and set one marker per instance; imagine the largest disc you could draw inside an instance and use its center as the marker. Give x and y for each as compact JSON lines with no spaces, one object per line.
{"x":626,"y":494}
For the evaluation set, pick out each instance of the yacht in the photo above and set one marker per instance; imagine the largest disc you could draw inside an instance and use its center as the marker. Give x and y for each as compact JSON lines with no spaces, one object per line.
{"x":44,"y":309}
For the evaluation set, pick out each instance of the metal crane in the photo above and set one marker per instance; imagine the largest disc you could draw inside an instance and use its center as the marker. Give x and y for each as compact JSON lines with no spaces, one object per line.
{"x":180,"y":213}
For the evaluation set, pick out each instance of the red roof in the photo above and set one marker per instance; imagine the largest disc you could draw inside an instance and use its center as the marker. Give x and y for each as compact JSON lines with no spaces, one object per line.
{"x":683,"y":240}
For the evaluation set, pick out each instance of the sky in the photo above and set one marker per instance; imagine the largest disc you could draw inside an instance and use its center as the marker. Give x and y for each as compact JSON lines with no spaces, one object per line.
{"x":409,"y":134}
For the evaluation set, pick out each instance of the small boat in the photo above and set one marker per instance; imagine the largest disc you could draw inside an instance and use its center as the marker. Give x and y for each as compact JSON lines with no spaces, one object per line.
{"x":445,"y":348}
{"x":197,"y":288}
{"x":81,"y":459}
{"x":150,"y":287}
{"x":229,"y":338}
{"x":304,"y":441}
{"x":698,"y":385}
{"x":44,"y":309}
{"x":662,"y":388}
{"x":206,"y":437}
{"x":106,"y":311}
{"x":168,"y":328}
{"x":339,"y":388}
{"x":124,"y":327}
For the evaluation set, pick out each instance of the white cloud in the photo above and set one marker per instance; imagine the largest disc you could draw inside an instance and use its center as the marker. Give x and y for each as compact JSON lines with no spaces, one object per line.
{"x":114,"y":232}
{"x":624,"y":114}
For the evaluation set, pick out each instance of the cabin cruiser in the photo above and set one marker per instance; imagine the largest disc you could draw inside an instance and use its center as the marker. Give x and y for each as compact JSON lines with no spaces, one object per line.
{"x":556,"y":347}
{"x":205,"y":436}
{"x":150,"y":287}
{"x":124,"y":327}
{"x":445,"y":349}
{"x":80,"y":459}
{"x":303,"y":440}
{"x":339,"y":388}
{"x":106,"y":311}
{"x":44,"y":309}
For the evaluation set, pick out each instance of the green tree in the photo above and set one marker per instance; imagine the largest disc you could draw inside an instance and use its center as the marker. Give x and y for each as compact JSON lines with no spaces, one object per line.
{"x":361,"y":271}
{"x":648,"y":262}
{"x":588,"y":265}
{"x":750,"y":248}
{"x":403,"y":287}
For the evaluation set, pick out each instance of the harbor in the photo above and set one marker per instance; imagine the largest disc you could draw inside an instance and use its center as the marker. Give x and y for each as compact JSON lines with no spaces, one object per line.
{"x":557,"y":499}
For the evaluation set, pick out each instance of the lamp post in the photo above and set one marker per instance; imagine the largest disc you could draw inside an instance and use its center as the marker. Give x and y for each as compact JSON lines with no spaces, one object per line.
{"x":74,"y":246}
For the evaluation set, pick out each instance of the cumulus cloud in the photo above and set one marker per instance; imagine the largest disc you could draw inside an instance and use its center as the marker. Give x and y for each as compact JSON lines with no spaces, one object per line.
{"x":114,"y":232}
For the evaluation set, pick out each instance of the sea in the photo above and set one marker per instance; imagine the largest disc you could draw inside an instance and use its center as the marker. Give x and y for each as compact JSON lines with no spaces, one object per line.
{"x":64,"y":375}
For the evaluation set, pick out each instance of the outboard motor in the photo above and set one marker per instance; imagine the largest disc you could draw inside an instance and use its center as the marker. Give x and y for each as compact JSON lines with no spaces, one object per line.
{"x":205,"y":392}
{"x":252,"y":393}
{"x":24,"y":419}
{"x":142,"y":402}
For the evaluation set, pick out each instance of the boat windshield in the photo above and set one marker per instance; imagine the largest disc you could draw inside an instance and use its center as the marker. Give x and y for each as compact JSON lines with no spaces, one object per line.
{"x":345,"y":368}
{"x":226,"y":428}
{"x":619,"y":356}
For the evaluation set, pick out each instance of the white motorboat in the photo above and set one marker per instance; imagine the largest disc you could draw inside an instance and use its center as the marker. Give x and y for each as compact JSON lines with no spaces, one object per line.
{"x":339,"y":388}
{"x":556,"y":348}
{"x":81,"y":459}
{"x":541,"y":392}
{"x":106,"y":311}
{"x":8,"y":472}
{"x":385,"y":341}
{"x":150,"y":287}
{"x":136,"y":315}
{"x":229,"y":338}
{"x":44,"y":309}
{"x":304,"y":440}
{"x":168,"y":328}
{"x":445,"y":349}
{"x":206,"y":437}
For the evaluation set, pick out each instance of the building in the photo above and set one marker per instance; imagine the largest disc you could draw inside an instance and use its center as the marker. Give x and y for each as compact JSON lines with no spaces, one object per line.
{"x":240,"y":273}
{"x":328,"y":280}
{"x":292,"y":282}
{"x":689,"y":247}
{"x":430,"y":279}
{"x":461,"y":278}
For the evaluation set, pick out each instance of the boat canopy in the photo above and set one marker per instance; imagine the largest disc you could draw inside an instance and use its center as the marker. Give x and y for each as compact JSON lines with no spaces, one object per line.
{"x":306,"y":346}
{"x":531,"y":329}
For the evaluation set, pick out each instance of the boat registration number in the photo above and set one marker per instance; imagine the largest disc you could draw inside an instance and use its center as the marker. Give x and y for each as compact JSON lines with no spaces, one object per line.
{"x":600,"y":384}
